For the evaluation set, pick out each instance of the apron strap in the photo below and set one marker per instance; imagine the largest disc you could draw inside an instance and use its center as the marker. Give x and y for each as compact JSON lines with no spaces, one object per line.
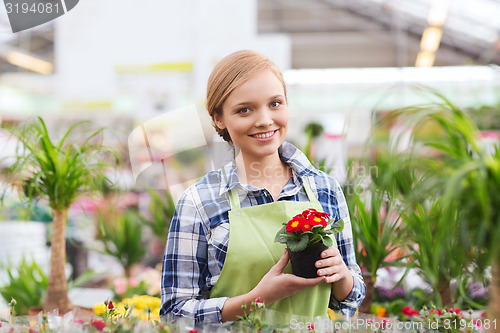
{"x":234,"y":199}
{"x":310,"y":194}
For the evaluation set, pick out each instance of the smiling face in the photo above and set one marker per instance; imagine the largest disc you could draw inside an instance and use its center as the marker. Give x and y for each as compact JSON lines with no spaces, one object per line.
{"x":256,"y":115}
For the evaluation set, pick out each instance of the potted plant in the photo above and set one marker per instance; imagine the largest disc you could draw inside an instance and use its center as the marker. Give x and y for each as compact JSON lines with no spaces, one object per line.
{"x":467,"y":179}
{"x":378,"y":232}
{"x":306,"y":236}
{"x":59,"y":171}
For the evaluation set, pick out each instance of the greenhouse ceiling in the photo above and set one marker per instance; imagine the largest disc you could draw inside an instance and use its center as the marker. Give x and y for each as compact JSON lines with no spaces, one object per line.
{"x":382,"y":33}
{"x":341,"y":33}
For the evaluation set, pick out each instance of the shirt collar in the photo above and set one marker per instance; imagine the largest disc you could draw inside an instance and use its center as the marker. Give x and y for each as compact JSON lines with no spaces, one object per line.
{"x":288,"y":153}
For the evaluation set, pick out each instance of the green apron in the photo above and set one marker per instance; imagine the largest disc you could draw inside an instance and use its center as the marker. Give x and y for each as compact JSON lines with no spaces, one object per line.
{"x":252,"y":252}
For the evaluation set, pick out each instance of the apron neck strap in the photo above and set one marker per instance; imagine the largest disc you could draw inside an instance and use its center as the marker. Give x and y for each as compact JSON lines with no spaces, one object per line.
{"x":310,"y":195}
{"x":234,"y":198}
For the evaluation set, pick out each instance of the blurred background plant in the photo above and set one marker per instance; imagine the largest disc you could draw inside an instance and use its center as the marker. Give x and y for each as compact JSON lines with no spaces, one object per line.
{"x":120,"y":234}
{"x":161,"y":210}
{"x":455,"y":199}
{"x":157,"y":219}
{"x":58,"y":172}
{"x":376,"y":232}
{"x":27,"y":283}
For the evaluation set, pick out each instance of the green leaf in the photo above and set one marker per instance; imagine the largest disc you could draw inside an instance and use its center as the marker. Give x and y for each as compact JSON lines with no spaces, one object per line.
{"x":297,"y":246}
{"x":279,"y":234}
{"x":328,"y":241}
{"x":337,"y":226}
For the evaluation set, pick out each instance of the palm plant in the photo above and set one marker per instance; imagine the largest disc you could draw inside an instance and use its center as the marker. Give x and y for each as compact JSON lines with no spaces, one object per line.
{"x":467,"y":177}
{"x":434,"y":248}
{"x":377,"y":235}
{"x":58,"y":171}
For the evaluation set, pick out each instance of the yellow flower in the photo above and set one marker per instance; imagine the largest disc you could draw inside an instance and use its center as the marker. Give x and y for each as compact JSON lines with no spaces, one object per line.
{"x":100,"y":308}
{"x":331,"y":314}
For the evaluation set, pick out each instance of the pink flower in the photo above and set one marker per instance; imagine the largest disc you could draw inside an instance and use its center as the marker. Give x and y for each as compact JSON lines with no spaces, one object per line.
{"x":258,"y":300}
{"x":438,"y":312}
{"x":98,"y":324}
{"x":120,"y":285}
{"x":32,"y":330}
{"x":133,"y":282}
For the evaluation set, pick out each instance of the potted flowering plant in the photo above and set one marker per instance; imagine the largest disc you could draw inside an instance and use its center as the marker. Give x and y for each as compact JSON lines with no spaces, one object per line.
{"x":306,"y":236}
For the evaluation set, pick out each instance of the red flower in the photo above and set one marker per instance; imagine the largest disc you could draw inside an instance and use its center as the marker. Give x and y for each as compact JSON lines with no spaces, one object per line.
{"x":193,"y":331}
{"x":457,"y":310}
{"x":314,"y":212}
{"x":98,"y":324}
{"x":438,"y":312}
{"x":295,"y":224}
{"x":32,"y":330}
{"x":110,"y":305}
{"x":258,"y":300}
{"x":316,"y":220}
{"x":409,"y":311}
{"x":306,"y":226}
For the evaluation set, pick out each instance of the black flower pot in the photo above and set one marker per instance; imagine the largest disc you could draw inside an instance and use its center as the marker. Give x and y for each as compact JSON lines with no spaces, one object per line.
{"x":303,"y":261}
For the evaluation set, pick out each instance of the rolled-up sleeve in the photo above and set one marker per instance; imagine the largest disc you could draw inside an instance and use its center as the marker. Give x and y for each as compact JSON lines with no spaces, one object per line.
{"x":185,"y":266}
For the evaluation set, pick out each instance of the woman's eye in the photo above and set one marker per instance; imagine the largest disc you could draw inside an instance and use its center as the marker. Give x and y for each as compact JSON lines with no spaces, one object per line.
{"x":275,"y":104}
{"x":244,"y":110}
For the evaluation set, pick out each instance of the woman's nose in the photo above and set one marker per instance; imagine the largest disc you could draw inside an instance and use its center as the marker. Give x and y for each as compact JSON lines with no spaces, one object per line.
{"x":264,"y":117}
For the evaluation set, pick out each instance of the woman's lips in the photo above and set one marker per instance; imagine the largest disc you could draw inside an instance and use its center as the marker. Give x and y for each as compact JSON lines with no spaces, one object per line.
{"x":266,"y":136}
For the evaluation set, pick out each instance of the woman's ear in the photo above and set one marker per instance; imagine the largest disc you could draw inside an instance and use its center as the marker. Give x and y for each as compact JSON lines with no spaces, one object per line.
{"x":218,"y":121}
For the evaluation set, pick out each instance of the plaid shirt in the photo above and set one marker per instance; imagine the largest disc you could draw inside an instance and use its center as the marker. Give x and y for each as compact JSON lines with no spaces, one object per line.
{"x":199,"y":234}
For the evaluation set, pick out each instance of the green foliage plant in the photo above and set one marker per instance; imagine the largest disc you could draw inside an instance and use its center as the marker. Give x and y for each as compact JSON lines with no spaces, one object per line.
{"x":122,"y":238}
{"x":27,"y":285}
{"x":434,"y":248}
{"x":59,"y":171}
{"x":379,"y":236}
{"x":465,"y":177}
{"x":162,"y":208}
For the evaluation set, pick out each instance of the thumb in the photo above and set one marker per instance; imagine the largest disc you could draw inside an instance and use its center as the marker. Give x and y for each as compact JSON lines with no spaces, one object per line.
{"x":280,"y":265}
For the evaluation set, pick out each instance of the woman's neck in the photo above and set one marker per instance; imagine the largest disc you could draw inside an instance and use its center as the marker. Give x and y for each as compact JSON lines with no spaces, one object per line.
{"x":270,"y":172}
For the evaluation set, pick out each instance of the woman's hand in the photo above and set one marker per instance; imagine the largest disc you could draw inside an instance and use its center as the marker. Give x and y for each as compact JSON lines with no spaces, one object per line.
{"x":333,"y":269}
{"x":276,"y":285}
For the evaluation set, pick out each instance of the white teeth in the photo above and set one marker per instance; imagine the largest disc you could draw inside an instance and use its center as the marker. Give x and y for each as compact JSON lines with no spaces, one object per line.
{"x":263,"y":136}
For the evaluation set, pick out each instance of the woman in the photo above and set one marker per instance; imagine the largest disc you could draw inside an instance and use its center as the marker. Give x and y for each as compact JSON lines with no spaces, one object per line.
{"x":220,"y":251}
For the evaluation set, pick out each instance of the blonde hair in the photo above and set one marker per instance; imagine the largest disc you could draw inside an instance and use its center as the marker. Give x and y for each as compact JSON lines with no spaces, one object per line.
{"x":228,"y":74}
